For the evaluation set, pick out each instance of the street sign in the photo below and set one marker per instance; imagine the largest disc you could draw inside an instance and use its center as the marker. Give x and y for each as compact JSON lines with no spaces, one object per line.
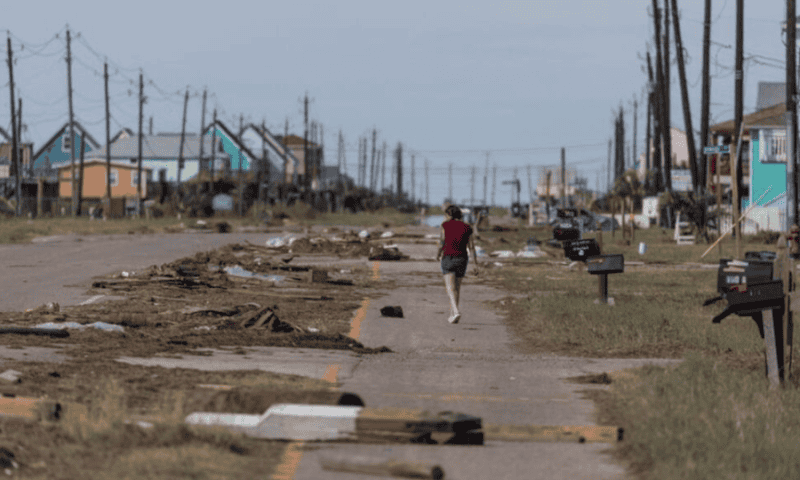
{"x":712,"y":149}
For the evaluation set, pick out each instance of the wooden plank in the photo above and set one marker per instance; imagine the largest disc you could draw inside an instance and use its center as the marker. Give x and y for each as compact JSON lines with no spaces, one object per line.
{"x":29,"y":408}
{"x":553,"y":433}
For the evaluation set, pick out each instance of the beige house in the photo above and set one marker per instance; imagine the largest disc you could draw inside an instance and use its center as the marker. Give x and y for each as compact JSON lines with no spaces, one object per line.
{"x":680,"y":153}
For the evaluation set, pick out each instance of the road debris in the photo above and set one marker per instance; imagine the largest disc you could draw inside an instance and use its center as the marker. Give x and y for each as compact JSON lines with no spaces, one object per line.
{"x":43,"y":332}
{"x":392,"y":311}
{"x":380,"y":466}
{"x":11,"y":376}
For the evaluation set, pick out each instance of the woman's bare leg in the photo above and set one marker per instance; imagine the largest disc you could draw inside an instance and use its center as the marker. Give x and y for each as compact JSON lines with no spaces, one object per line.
{"x":458,"y":290}
{"x":450,"y":285}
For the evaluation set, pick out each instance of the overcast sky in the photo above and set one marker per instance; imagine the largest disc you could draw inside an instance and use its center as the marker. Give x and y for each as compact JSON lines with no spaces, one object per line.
{"x":450,"y":81}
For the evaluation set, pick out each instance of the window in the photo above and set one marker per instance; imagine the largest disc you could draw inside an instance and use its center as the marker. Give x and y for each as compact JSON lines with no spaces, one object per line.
{"x":135,"y":178}
{"x":772,"y":148}
{"x":66,"y":143}
{"x":115,"y":177}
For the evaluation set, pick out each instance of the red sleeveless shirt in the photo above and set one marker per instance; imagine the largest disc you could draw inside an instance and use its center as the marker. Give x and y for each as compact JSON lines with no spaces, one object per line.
{"x":456,"y":238}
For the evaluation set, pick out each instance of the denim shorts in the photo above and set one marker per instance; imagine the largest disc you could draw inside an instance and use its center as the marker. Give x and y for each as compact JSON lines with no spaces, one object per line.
{"x":457,"y":265}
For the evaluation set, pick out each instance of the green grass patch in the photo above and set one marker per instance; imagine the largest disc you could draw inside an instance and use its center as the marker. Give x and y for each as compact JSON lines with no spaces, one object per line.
{"x":658,"y":312}
{"x":703,"y":419}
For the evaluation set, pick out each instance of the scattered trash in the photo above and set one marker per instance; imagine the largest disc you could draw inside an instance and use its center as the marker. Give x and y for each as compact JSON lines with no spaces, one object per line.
{"x":267,"y":319}
{"x":642,"y":248}
{"x":497,"y":264}
{"x":11,"y":376}
{"x":47,"y":307}
{"x":363,"y":234}
{"x":392,"y":311}
{"x":238,"y":271}
{"x":125,"y":274}
{"x":503,"y":253}
{"x":379,"y":466}
{"x":313,"y":330}
{"x":45,"y":332}
{"x":432,"y":236}
{"x":205,"y":328}
{"x":480,"y":251}
{"x":75,"y":325}
{"x":386,"y":254}
{"x":531,"y":251}
{"x":388,"y":234}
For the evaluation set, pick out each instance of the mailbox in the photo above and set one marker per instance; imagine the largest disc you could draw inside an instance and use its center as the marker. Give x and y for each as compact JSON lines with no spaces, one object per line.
{"x":580,"y":250}
{"x":564,"y":233}
{"x":605,"y":264}
{"x":737,"y":272}
{"x":764,"y":255}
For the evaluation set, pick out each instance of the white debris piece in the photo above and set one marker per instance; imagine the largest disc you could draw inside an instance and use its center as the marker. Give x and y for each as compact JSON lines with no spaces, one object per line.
{"x":286,"y":421}
{"x":503,"y":253}
{"x":387,"y":234}
{"x":363,"y":234}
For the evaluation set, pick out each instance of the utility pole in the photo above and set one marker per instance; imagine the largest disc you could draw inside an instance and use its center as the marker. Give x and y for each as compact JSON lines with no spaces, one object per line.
{"x":705,"y":101}
{"x":791,"y":115}
{"x":150,"y":129}
{"x":737,"y":123}
{"x":107,"y":209}
{"x":563,"y":177}
{"x":494,"y":183}
{"x":183,"y":141}
{"x":306,"y":181}
{"x":383,"y":164}
{"x":485,"y":178}
{"x":286,"y":149}
{"x":340,"y":159}
{"x":661,"y":149}
{"x":427,"y":185}
{"x":201,"y":160}
{"x":530,"y":185}
{"x":472,"y":187}
{"x":450,"y":183}
{"x":413,"y":180}
{"x":655,"y":95}
{"x":14,"y":152}
{"x":687,"y":113}
{"x":608,"y":172}
{"x":139,"y":163}
{"x":633,"y":146}
{"x":399,"y":170}
{"x":266,"y":166}
{"x":71,"y":127}
{"x":666,"y":126}
{"x":80,"y":174}
{"x":372,"y":172}
{"x":213,"y":147}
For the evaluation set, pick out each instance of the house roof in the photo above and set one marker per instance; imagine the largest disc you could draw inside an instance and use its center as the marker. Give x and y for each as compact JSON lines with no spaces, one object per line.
{"x":88,"y":161}
{"x":773,"y":116}
{"x":124,"y":131}
{"x":166,"y":146}
{"x":82,"y":131}
{"x":770,"y":94}
{"x":273,"y":141}
{"x":293,"y":140}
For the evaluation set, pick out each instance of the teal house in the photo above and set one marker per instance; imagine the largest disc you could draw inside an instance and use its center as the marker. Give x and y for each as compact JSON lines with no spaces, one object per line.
{"x":56,"y":149}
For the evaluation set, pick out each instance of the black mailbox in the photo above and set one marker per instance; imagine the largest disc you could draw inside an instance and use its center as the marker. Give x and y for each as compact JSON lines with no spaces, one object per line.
{"x":580,"y":250}
{"x":566,"y":233}
{"x":748,"y":300}
{"x":737,"y":272}
{"x":605,"y":264}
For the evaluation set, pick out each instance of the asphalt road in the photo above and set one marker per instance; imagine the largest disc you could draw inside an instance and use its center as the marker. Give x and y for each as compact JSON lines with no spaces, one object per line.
{"x":59,"y":269}
{"x":471,"y":367}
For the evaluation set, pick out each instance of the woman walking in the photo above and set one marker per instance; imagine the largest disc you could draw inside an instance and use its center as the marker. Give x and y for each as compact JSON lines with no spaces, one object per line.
{"x":456,"y":239}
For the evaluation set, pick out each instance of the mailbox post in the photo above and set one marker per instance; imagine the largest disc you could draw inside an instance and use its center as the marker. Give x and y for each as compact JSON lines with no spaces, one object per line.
{"x":755,"y":288}
{"x":603,"y":266}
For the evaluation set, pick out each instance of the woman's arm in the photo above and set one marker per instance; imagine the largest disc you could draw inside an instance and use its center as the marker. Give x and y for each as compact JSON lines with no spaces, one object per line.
{"x":471,"y":247}
{"x":441,"y":245}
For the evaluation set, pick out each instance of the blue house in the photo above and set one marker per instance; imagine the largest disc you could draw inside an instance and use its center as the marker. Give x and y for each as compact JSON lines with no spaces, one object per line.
{"x":56,"y":149}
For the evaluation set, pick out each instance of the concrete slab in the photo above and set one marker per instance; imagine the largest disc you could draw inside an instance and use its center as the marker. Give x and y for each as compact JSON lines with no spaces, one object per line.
{"x":308,"y":362}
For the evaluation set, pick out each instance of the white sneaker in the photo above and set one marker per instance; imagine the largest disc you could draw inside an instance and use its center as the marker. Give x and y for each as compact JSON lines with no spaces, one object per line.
{"x":455,"y":318}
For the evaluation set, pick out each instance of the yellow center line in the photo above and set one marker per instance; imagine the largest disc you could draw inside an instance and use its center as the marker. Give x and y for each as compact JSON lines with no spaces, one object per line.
{"x":376,"y":267}
{"x":332,"y":373}
{"x":290,"y":462}
{"x":355,"y":325}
